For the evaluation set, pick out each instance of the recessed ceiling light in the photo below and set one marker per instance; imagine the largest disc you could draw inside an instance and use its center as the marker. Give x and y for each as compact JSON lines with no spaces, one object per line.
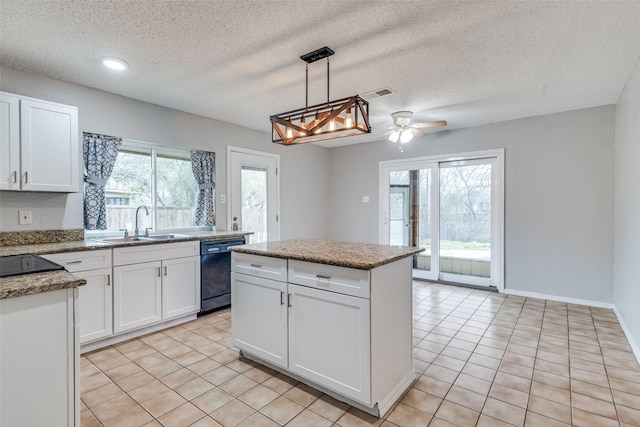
{"x":114,"y":63}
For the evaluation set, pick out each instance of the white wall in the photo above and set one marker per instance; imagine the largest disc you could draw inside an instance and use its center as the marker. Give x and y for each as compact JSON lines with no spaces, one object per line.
{"x":303,"y":183}
{"x":626,"y":289}
{"x":558,"y":202}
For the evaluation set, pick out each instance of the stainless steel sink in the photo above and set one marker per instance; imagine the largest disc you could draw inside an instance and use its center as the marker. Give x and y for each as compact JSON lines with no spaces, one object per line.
{"x":124,"y":239}
{"x":133,"y":239}
{"x":165,"y":236}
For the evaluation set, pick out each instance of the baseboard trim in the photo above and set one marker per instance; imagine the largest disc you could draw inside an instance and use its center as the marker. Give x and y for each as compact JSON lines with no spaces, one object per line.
{"x":632,"y":343}
{"x":569,"y":300}
{"x":627,"y":333}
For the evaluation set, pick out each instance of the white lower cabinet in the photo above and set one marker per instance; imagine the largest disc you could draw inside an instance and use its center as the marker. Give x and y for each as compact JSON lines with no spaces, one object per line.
{"x":40,"y":360}
{"x":329,"y":340}
{"x":96,"y":297}
{"x":137,"y":295}
{"x":153,"y":283}
{"x":258,"y":298}
{"x":343,"y":330}
{"x":179,"y":295}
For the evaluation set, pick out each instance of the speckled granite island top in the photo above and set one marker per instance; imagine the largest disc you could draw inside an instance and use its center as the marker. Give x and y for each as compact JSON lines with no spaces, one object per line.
{"x":363,"y":256}
{"x":35,"y":283}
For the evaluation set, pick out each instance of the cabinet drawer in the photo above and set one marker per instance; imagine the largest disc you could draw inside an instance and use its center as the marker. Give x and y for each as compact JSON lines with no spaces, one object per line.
{"x":260,"y":266}
{"x":82,"y":261}
{"x":348,"y":281}
{"x":138,"y":254}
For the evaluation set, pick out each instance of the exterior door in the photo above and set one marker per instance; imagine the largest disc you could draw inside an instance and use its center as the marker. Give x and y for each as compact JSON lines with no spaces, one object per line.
{"x":455,"y":214}
{"x":254,"y":194}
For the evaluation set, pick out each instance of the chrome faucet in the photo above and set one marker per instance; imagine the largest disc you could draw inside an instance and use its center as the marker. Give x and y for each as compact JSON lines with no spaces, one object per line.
{"x":137,"y":210}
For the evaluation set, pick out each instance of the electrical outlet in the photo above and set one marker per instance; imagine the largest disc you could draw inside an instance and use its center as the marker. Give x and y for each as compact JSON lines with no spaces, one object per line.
{"x":25,"y":217}
{"x":365,"y":199}
{"x":223,"y":198}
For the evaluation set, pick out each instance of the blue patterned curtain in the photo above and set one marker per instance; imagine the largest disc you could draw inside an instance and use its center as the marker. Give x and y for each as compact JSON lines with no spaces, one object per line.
{"x":99,"y":153}
{"x":203,"y":165}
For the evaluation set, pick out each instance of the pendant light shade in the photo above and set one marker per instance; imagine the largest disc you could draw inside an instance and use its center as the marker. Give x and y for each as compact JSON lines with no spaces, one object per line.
{"x":333,"y":119}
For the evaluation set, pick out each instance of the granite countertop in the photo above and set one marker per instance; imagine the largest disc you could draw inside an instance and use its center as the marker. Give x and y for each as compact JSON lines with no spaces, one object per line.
{"x":35,"y":283}
{"x":93,"y":244}
{"x":363,"y":256}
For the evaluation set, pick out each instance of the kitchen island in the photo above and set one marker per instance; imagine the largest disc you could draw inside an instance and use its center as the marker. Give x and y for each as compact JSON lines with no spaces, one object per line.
{"x":334,"y":315}
{"x":39,"y":349}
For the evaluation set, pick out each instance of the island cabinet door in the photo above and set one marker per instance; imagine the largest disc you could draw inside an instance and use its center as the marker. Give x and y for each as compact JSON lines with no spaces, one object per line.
{"x":259,"y":317}
{"x":329,"y":340}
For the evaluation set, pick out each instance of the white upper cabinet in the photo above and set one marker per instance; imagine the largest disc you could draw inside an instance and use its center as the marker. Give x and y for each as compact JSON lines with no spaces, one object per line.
{"x":39,"y":141}
{"x":9,"y":142}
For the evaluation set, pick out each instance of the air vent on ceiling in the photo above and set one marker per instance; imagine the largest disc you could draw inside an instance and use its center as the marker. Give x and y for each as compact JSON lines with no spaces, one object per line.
{"x":377,"y":93}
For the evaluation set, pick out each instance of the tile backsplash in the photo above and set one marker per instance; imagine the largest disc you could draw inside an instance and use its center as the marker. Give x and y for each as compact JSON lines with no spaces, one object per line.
{"x":49,"y":211}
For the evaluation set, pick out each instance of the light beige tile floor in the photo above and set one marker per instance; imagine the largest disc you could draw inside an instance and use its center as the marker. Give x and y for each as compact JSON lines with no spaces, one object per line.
{"x":482,"y":359}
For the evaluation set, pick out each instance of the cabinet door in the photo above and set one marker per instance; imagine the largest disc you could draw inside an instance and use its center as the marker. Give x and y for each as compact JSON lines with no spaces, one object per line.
{"x":9,"y":142}
{"x":49,"y":143}
{"x":137,"y":295}
{"x":180,"y":287}
{"x":96,"y":305}
{"x":259,"y":317}
{"x":329,"y":340}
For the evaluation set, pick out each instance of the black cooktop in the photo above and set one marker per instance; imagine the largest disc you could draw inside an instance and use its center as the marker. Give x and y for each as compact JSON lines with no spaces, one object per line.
{"x":14,"y":265}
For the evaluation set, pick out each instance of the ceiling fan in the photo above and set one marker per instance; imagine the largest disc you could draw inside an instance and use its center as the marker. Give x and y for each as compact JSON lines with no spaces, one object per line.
{"x":404,"y":132}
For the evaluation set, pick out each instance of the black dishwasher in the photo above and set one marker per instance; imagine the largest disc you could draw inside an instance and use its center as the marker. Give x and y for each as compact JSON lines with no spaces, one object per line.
{"x":215,"y":273}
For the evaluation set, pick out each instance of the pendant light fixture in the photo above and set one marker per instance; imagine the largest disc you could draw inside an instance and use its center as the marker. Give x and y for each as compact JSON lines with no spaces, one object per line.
{"x":333,"y":119}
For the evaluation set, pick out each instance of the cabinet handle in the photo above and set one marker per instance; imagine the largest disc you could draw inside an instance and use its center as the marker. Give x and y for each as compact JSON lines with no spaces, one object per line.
{"x":15,"y":177}
{"x":74,"y":262}
{"x":159,"y":272}
{"x":281,"y":297}
{"x":165,"y":270}
{"x":256,"y":265}
{"x":108,"y":280}
{"x":288,"y":300}
{"x":322,"y":276}
{"x":26,"y":177}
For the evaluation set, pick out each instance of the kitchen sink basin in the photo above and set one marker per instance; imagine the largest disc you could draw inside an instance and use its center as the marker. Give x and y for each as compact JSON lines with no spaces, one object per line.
{"x":133,"y":239}
{"x":125,"y":239}
{"x":165,"y":236}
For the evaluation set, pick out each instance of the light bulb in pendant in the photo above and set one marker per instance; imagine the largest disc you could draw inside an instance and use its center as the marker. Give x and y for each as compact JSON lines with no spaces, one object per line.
{"x":302,"y":125}
{"x":348,"y":122}
{"x":332,"y":123}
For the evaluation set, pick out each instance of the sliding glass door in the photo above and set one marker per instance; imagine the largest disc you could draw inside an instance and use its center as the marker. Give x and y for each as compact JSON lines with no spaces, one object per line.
{"x":452,"y":209}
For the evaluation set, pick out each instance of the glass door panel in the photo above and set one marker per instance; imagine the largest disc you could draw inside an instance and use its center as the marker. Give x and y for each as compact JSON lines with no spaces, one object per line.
{"x":253,"y":196}
{"x":465,"y":221}
{"x":253,"y":182}
{"x":410,"y":219}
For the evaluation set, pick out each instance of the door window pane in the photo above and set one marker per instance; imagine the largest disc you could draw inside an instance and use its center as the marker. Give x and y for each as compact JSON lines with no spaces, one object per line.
{"x":253,"y":182}
{"x":465,"y":219}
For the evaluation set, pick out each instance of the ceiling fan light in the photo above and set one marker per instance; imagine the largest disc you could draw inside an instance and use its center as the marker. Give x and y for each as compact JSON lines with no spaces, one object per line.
{"x":394,"y":136}
{"x":405,"y":136}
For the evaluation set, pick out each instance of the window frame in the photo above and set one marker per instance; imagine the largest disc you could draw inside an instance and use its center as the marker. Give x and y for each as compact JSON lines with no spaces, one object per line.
{"x":155,"y":151}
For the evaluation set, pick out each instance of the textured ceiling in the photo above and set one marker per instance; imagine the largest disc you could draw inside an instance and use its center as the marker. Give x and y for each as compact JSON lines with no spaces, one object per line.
{"x":466,"y":62}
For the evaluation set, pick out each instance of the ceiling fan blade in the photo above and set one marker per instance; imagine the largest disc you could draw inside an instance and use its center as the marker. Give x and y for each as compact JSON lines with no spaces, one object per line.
{"x":417,"y":132}
{"x":386,"y":134}
{"x":430,"y":124}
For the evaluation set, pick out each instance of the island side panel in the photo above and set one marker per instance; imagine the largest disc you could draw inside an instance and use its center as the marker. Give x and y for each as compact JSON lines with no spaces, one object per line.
{"x":391,"y":337}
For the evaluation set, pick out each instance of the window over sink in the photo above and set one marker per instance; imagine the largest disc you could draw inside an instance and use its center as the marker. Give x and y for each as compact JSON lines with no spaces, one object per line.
{"x":157,"y":177}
